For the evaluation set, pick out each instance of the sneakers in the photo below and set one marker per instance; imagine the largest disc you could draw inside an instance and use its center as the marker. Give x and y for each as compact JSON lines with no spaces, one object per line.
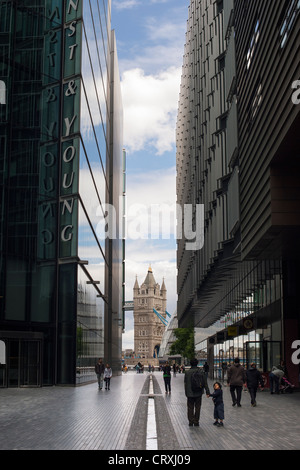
{"x":218,"y":423}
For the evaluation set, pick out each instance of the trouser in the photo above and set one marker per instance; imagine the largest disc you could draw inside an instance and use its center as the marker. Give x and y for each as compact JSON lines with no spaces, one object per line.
{"x":274,"y":380}
{"x":193,"y":409}
{"x":100,"y":380}
{"x":236,"y":393}
{"x":252,"y":392}
{"x":167,"y":381}
{"x":107,"y":382}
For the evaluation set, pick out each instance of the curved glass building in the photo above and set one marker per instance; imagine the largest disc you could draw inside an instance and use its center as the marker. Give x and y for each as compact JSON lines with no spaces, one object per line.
{"x":61,"y":162}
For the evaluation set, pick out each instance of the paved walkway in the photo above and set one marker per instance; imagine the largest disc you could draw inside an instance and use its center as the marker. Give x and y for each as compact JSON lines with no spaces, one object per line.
{"x":84,"y":418}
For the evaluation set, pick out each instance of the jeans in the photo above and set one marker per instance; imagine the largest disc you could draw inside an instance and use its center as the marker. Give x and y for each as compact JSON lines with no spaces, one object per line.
{"x":100,"y":380}
{"x":252,"y":392}
{"x":236,"y":397}
{"x":274,"y":380}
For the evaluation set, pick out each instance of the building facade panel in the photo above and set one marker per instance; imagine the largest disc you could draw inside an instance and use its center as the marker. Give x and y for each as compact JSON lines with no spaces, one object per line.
{"x":240,"y":288}
{"x":201,"y":142}
{"x":266,"y":81}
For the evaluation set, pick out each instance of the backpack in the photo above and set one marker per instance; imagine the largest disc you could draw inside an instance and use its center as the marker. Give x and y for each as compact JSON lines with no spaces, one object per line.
{"x":197,"y":381}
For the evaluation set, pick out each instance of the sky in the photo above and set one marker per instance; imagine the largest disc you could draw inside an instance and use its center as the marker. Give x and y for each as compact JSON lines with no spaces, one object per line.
{"x":150,"y":38}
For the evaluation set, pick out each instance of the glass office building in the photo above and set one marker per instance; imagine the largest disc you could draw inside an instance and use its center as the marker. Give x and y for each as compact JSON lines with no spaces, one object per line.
{"x":60,"y":163}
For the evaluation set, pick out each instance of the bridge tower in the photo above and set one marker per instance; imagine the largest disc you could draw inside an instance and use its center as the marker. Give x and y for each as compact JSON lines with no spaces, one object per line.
{"x":149,"y":313}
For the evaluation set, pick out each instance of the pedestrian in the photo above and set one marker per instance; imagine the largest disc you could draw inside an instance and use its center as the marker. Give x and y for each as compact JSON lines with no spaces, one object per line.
{"x":206,"y":369}
{"x":107,"y":376}
{"x":254,"y":379}
{"x":236,"y":377}
{"x":99,"y":370}
{"x":282,"y":366}
{"x":194,"y":397}
{"x":167,"y":377}
{"x":217,"y":397}
{"x":275,"y":377}
{"x":174,"y":369}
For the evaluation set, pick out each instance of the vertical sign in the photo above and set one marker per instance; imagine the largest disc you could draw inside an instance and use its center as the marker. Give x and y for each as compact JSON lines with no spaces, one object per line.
{"x":70,"y":128}
{"x":59,"y":154}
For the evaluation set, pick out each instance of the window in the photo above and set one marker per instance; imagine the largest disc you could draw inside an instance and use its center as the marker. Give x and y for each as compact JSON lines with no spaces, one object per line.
{"x":256,"y":101}
{"x":253,"y":43}
{"x":2,"y":92}
{"x":289,"y":20}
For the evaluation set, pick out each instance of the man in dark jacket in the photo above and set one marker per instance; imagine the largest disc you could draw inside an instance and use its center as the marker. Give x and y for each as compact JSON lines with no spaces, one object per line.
{"x":194,"y":399}
{"x":236,"y":377}
{"x":99,"y":370}
{"x":254,"y":379}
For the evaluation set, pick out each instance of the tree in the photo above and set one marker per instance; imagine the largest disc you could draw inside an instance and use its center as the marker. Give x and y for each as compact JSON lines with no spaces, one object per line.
{"x":185,"y":343}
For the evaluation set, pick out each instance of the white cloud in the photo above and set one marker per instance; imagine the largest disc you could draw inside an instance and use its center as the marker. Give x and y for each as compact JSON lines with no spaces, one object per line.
{"x":152,"y":187}
{"x":125,"y":4}
{"x":150,"y":109}
{"x":151,"y":205}
{"x":160,"y":47}
{"x":169,"y":31}
{"x":150,"y":70}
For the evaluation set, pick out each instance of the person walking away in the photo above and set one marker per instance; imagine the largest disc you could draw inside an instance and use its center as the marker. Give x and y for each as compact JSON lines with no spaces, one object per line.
{"x":206,"y":368}
{"x":194,"y":392}
{"x":167,"y":377}
{"x":107,"y":376}
{"x":236,"y":377}
{"x":253,"y":380}
{"x":275,"y":377}
{"x":99,"y":370}
{"x":174,"y":369}
{"x":217,"y":397}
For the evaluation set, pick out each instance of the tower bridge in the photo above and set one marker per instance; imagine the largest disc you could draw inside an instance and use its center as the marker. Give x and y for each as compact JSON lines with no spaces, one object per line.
{"x":150,"y":317}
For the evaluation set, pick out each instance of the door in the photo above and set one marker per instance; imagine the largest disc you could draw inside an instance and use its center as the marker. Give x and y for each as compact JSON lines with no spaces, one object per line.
{"x":30,"y":364}
{"x":24,"y":363}
{"x":265,"y":354}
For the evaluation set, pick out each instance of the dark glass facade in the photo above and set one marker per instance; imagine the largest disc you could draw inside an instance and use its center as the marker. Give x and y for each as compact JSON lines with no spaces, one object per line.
{"x":58,"y":145}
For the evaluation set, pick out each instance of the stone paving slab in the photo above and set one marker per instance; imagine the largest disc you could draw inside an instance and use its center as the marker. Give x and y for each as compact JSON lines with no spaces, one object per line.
{"x":272,"y":425}
{"x":68,"y":418}
{"x":84,"y":418}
